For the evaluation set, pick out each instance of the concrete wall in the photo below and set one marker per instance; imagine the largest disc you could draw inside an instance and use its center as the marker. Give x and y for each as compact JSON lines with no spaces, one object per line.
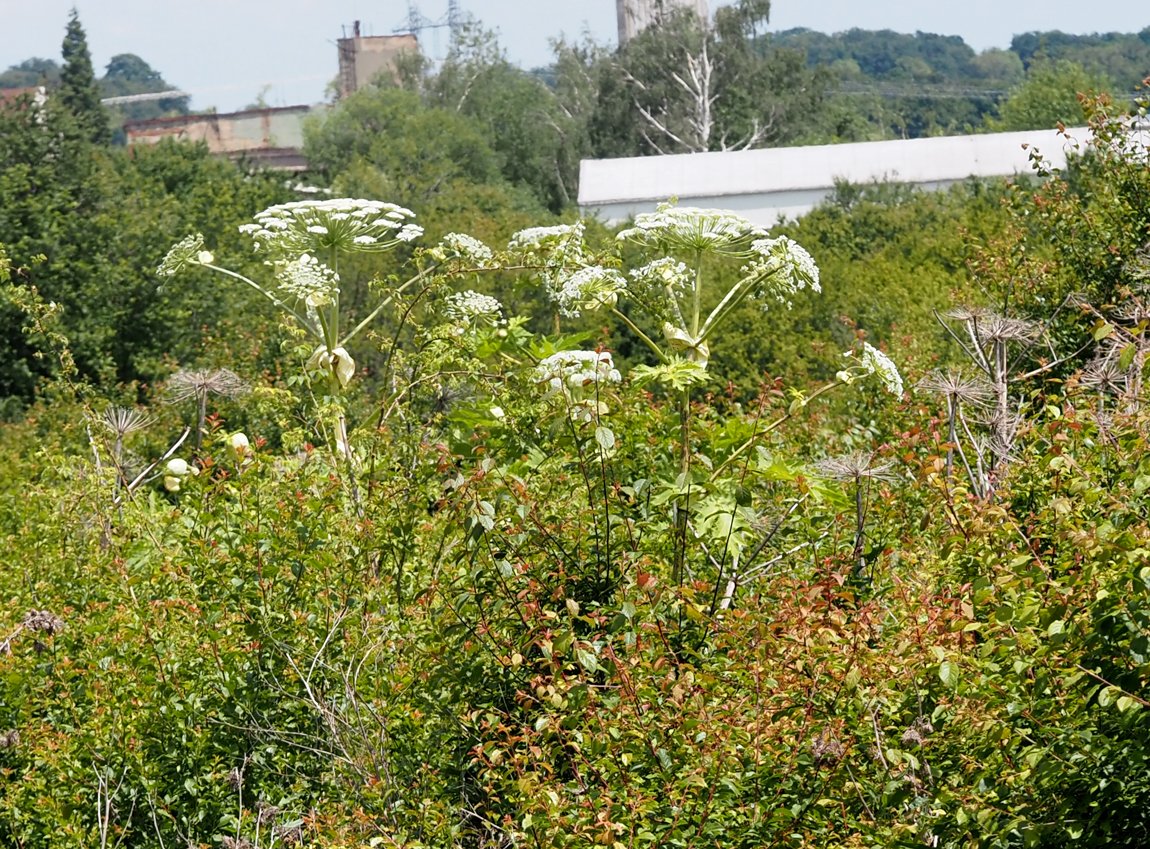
{"x":363,"y":58}
{"x":273,"y":136}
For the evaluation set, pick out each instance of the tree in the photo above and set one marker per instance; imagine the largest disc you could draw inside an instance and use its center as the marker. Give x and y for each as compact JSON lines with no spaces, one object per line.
{"x":31,"y":72}
{"x":128,"y":74}
{"x":78,"y":91}
{"x":519,"y":114}
{"x":1047,"y":97}
{"x":690,"y":85}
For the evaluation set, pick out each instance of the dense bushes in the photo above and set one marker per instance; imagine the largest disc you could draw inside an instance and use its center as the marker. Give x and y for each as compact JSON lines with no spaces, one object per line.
{"x":479,"y":584}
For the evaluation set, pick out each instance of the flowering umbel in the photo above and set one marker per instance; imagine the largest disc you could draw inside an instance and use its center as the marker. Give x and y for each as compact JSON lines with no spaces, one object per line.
{"x":579,"y":378}
{"x":188,"y":251}
{"x":686,"y":229}
{"x":873,"y":361}
{"x":472,"y":309}
{"x":339,"y":224}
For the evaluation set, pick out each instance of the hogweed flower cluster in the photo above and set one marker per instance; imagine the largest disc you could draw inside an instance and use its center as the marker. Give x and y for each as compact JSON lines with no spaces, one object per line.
{"x":472,"y":309}
{"x":670,"y":287}
{"x":562,"y":241}
{"x":339,"y":224}
{"x":872,"y":361}
{"x":579,"y":377}
{"x":307,"y":279}
{"x":188,"y":251}
{"x":463,"y":247}
{"x":784,"y":266}
{"x":588,"y":288}
{"x":692,"y":230}
{"x":577,"y":370}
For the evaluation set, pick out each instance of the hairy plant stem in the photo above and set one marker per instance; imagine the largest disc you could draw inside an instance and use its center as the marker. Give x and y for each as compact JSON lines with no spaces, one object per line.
{"x":860,"y":530}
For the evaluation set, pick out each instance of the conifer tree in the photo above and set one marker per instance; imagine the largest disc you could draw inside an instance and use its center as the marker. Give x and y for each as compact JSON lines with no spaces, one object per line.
{"x":78,"y":92}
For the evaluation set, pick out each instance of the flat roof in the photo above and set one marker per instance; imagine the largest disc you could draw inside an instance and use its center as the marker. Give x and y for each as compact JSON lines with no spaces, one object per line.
{"x":789,"y":169}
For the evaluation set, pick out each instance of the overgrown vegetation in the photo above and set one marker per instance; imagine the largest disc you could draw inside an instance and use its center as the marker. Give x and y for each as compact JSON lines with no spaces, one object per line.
{"x":466,"y":525}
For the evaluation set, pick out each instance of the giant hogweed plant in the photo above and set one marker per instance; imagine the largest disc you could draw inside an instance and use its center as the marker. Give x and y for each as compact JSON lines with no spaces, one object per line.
{"x":305,"y":242}
{"x":676,"y":301}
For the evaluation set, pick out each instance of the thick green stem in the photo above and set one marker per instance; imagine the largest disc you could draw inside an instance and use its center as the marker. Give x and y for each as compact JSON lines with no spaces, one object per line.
{"x":279,"y":302}
{"x":685,"y":432}
{"x":643,"y":336}
{"x":697,"y":299}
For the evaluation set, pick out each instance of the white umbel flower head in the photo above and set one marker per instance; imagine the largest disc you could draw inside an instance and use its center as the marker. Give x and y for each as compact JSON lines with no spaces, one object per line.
{"x":665,"y":273}
{"x":877,"y":363}
{"x":467,"y":248}
{"x":565,"y":238}
{"x":309,"y":280}
{"x":468,"y":309}
{"x":588,"y":288}
{"x":188,"y":251}
{"x":693,"y":230}
{"x":577,"y":370}
{"x":782,"y":267}
{"x":341,"y":224}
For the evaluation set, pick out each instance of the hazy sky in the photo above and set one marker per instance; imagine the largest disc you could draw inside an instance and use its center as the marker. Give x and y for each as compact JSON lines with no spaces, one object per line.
{"x":226,"y":51}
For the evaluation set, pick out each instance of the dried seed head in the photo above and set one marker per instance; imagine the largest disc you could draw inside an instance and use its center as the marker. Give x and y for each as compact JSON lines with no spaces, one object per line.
{"x":186,"y":384}
{"x":235,"y":778}
{"x":827,"y":748}
{"x":265,"y":812}
{"x":1000,"y":328}
{"x":1104,"y":375}
{"x":958,"y":387}
{"x":967,"y":312}
{"x":289,"y":834}
{"x":44,"y":621}
{"x":121,"y":421}
{"x":917,"y":732}
{"x":855,"y":466}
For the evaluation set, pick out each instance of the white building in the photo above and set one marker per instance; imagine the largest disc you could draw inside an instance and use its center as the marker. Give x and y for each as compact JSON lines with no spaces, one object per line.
{"x":784,"y":182}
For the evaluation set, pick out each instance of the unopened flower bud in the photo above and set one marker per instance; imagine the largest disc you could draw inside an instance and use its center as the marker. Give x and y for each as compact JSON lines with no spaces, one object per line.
{"x":177,"y":468}
{"x":239,"y":444}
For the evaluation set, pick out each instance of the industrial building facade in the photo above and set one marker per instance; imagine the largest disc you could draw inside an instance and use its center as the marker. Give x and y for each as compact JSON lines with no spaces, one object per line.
{"x":769,"y":184}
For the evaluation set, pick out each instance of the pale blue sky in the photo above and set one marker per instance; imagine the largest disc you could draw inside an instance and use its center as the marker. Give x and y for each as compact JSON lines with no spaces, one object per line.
{"x":225,"y":51}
